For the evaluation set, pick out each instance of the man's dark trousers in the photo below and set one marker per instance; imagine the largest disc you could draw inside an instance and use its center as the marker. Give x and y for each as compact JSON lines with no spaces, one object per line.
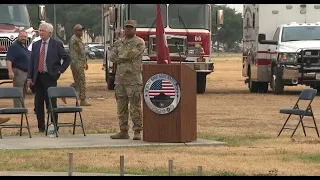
{"x":43,"y":82}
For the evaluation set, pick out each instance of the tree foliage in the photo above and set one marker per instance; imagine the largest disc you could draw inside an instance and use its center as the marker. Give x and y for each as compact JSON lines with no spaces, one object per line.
{"x":68,"y":15}
{"x":231,"y":30}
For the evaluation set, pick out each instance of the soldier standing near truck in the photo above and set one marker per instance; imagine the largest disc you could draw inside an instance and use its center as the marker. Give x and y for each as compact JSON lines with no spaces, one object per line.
{"x":79,"y":63}
{"x":127,"y":54}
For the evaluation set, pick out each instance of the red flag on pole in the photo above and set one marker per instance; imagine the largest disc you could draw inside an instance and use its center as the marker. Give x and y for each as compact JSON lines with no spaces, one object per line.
{"x":163,"y":56}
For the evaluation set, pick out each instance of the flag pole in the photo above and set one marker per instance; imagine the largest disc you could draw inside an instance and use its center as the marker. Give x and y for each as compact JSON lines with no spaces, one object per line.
{"x":163,"y":54}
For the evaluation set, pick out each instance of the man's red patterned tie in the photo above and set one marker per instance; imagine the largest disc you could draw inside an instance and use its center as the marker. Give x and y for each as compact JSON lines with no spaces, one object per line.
{"x":41,"y":59}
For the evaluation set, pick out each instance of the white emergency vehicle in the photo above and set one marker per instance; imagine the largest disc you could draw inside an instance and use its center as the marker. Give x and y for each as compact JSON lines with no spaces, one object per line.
{"x":281,"y":46}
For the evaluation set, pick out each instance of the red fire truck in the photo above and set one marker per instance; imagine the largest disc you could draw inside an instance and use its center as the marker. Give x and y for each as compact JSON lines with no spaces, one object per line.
{"x":14,"y":18}
{"x":187,"y":26}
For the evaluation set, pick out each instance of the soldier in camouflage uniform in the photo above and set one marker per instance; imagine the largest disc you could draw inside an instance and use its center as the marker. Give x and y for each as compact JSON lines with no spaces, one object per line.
{"x":78,"y":63}
{"x":127,"y":54}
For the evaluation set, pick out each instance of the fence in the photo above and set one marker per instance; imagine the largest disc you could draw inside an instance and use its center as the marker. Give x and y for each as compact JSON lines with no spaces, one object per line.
{"x":122,"y":171}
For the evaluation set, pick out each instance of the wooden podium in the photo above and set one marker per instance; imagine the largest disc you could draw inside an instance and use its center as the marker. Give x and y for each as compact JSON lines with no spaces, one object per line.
{"x":179,"y":125}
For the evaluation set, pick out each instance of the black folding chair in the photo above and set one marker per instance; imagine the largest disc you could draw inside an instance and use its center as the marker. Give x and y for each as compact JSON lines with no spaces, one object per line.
{"x":14,"y":93}
{"x":307,"y":95}
{"x":64,"y":92}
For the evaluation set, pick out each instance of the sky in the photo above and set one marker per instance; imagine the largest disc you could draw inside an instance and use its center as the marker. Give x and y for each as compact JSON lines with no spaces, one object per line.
{"x":238,"y":7}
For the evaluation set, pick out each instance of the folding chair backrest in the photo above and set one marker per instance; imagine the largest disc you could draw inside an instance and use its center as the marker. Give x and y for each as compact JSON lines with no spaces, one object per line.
{"x":59,"y":92}
{"x":12,"y":92}
{"x":308,"y":94}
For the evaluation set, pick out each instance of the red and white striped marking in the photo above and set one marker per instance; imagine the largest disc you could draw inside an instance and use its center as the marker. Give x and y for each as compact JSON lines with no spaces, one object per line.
{"x":263,"y":57}
{"x":167,"y":89}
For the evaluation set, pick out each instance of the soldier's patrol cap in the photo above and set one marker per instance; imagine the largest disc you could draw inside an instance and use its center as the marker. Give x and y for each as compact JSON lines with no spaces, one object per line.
{"x":132,"y":23}
{"x":78,"y":27}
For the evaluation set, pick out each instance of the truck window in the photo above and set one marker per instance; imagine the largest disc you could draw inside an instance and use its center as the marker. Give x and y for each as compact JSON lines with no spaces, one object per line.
{"x":15,"y":14}
{"x":191,"y":16}
{"x":276,"y":34}
{"x":300,"y":33}
{"x":145,"y":14}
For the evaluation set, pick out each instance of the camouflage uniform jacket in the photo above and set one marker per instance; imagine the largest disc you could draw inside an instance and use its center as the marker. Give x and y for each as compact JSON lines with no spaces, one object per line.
{"x":77,"y":52}
{"x":127,"y":53}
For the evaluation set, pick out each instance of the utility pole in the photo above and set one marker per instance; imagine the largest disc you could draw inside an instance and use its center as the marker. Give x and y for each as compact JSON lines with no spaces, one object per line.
{"x":218,"y":44}
{"x":54,"y":22}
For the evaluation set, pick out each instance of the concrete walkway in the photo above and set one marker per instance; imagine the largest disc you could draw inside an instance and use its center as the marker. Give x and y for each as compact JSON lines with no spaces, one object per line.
{"x":89,"y":141}
{"x":34,"y":173}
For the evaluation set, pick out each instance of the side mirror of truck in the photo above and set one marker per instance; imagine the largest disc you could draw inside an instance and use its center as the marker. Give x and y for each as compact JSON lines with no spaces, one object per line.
{"x":261,"y":37}
{"x":220,"y":17}
{"x":42,"y":13}
{"x":112,"y":15}
{"x":262,"y":40}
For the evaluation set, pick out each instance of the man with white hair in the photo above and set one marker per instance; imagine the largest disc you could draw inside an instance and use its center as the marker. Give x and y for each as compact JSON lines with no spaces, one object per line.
{"x":64,"y":100}
{"x":45,"y":69}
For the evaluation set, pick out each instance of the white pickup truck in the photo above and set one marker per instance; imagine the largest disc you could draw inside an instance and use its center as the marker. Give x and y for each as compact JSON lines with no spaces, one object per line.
{"x":281,"y":46}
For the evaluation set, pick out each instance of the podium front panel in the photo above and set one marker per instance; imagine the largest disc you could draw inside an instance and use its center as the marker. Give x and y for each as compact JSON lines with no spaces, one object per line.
{"x":169,"y":105}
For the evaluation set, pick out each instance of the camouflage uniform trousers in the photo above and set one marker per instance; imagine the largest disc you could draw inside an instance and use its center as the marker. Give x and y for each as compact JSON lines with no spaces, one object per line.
{"x":79,"y":81}
{"x":125,"y":95}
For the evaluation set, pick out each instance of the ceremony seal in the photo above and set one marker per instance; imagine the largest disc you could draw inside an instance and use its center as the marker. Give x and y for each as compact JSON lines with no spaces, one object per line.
{"x":162,"y":93}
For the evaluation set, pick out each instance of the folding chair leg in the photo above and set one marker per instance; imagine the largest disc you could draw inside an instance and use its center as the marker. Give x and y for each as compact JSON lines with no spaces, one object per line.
{"x":82,"y":124}
{"x":74,"y":123}
{"x":47,"y":125}
{"x":0,"y":133}
{"x":28,"y":127}
{"x":304,"y":130}
{"x":284,"y":125}
{"x":295,"y":129}
{"x":315,"y":125}
{"x":21,"y":123}
{"x":54,"y":124}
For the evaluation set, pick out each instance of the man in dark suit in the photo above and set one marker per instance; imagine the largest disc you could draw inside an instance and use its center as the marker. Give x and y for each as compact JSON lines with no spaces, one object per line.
{"x":45,"y":69}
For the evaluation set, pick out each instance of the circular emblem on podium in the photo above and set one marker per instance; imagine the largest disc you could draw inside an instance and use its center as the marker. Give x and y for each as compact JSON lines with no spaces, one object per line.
{"x":162,"y":93}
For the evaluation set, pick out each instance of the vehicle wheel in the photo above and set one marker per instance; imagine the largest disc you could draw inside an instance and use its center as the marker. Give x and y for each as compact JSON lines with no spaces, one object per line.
{"x":263,"y":87}
{"x":276,"y":80}
{"x":110,"y":83}
{"x":201,"y":83}
{"x":252,"y":85}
